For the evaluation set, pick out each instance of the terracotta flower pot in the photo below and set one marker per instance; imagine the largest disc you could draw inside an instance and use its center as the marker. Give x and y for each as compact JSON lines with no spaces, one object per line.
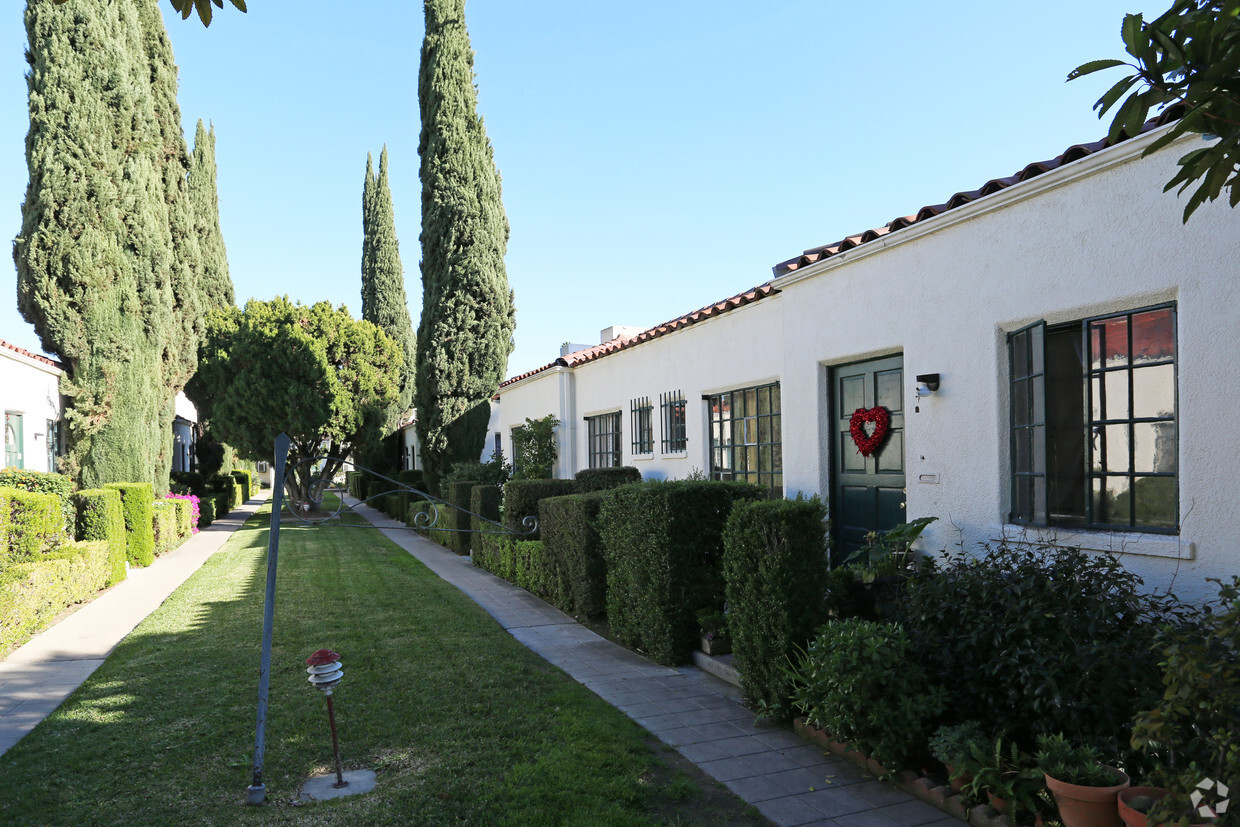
{"x":1136,"y":818}
{"x":957,"y":777}
{"x":1088,"y":806}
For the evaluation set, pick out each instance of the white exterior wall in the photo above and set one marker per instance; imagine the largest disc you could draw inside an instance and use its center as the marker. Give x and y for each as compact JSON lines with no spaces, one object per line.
{"x":1092,"y":237}
{"x":32,"y":388}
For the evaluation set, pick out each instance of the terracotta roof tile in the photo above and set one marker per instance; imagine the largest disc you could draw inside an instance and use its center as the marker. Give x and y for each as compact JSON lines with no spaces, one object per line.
{"x":23,"y":352}
{"x":1072,"y":153}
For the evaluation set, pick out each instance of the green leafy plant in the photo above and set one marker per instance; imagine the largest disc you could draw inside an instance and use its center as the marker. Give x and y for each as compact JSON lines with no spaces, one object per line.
{"x":1008,"y":774}
{"x":1189,"y":56}
{"x":856,"y":682}
{"x":1079,"y":764}
{"x":888,"y":552}
{"x":494,"y":471}
{"x":953,"y":744}
{"x":533,"y":448}
{"x":714,"y":624}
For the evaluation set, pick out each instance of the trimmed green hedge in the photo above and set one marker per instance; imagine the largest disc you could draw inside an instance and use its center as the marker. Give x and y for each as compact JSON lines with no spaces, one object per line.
{"x":603,"y":479}
{"x":353,"y":482}
{"x":101,"y":517}
{"x":32,"y":594}
{"x":456,"y":517}
{"x":185,"y":518}
{"x":164,"y":523}
{"x":41,"y":482}
{"x":223,"y":503}
{"x":521,"y":498}
{"x":33,"y":525}
{"x":137,"y":499}
{"x":775,"y":571}
{"x":569,"y":527}
{"x":435,"y":534}
{"x":193,"y":480}
{"x":663,"y":542}
{"x":485,"y":501}
{"x":246,"y":482}
{"x":206,"y":511}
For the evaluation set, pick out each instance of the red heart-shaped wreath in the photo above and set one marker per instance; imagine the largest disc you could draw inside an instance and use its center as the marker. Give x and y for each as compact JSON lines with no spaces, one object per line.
{"x":881,"y":417}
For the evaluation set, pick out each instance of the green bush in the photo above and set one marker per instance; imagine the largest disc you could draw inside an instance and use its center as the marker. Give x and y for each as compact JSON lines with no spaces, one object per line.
{"x":484,"y":501}
{"x":246,"y":482}
{"x":352,"y":483}
{"x":1061,"y":635}
{"x":223,"y":503}
{"x":101,"y":517}
{"x":137,"y":499}
{"x":494,"y":471}
{"x":34,"y":525}
{"x":206,"y":511}
{"x":455,"y":516}
{"x":524,"y":563}
{"x":164,"y":523}
{"x":41,"y":482}
{"x":225,"y":485}
{"x":663,"y":542}
{"x":428,"y":519}
{"x":601,"y":479}
{"x":185,"y":518}
{"x":32,"y":594}
{"x":534,"y":448}
{"x":774,"y":570}
{"x":858,"y":682}
{"x":569,"y":528}
{"x":413,"y":479}
{"x":193,"y":480}
{"x":521,"y":498}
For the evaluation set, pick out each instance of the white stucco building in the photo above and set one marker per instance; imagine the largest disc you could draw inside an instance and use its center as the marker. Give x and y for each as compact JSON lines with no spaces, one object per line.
{"x":1078,"y":333}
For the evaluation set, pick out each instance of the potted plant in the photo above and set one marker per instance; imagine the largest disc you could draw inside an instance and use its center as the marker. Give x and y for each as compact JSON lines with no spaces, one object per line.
{"x":1008,"y":779}
{"x":1086,"y":791}
{"x":1135,"y":804}
{"x":715,"y":638}
{"x":953,"y":745}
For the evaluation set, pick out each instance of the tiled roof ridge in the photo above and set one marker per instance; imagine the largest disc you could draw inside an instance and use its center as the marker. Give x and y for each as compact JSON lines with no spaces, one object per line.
{"x":23,"y":352}
{"x":619,"y":343}
{"x":1072,"y":153}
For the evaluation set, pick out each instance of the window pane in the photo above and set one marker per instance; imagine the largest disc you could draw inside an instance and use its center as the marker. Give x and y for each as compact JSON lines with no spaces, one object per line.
{"x":751,"y":458}
{"x":751,"y":403}
{"x":775,"y":400}
{"x":1020,"y":355}
{"x":1112,"y":501}
{"x":764,"y":401}
{"x":1154,"y":447}
{"x":1109,"y":395}
{"x":889,"y":391}
{"x":1116,"y":450}
{"x":1021,"y":451}
{"x":1155,"y":502}
{"x":1022,"y":411}
{"x":1108,"y":343}
{"x":1153,"y":336}
{"x":764,"y":430}
{"x":1153,"y":391}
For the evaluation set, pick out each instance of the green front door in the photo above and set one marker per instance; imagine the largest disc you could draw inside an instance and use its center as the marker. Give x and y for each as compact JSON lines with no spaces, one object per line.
{"x":867,"y":492}
{"x":13,"y":439}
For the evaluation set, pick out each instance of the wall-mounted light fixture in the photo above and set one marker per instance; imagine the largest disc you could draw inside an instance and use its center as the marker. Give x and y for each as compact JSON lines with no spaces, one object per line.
{"x":927,"y":383}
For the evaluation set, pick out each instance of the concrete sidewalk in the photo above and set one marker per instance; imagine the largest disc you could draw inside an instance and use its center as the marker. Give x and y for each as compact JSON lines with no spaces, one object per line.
{"x":36,"y":678}
{"x":788,"y":780}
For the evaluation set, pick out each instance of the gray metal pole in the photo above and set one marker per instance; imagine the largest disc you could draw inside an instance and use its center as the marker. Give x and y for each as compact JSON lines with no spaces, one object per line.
{"x":257,"y":791}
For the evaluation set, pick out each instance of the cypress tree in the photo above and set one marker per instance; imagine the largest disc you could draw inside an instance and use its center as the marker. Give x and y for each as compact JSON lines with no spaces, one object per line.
{"x":215,"y":285}
{"x":384,"y":302}
{"x":94,"y":253}
{"x":465,"y":335}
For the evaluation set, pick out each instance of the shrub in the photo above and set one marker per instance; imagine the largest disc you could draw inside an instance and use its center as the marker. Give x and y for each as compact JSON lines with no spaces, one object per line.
{"x":569,"y":528}
{"x":188,"y":524}
{"x":101,"y":517}
{"x":246,"y":482}
{"x":413,"y":479}
{"x":524,"y":563}
{"x":32,"y":594}
{"x":455,"y":516}
{"x":601,"y":479}
{"x":521,"y":498}
{"x":857,"y":682}
{"x":1191,"y":728}
{"x":193,"y":480}
{"x":494,"y":471}
{"x":352,"y":483}
{"x":485,"y":502}
{"x":206,"y":511}
{"x":1062,"y":636}
{"x":137,"y":500}
{"x":774,"y":569}
{"x":533,"y":448}
{"x":223,"y":504}
{"x":34,"y":525}
{"x":40,"y":482}
{"x":428,"y":519}
{"x":164,"y":523}
{"x":226,"y":485}
{"x":663,"y":542}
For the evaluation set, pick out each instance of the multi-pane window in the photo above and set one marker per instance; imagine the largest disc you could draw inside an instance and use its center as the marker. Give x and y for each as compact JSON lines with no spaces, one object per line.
{"x":603,"y":440}
{"x":672,"y":412}
{"x":745,"y":437}
{"x":641,"y":415}
{"x":53,"y":443}
{"x":1093,"y":422}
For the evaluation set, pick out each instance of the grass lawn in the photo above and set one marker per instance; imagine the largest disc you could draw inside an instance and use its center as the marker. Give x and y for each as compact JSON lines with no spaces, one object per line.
{"x":461,"y":722}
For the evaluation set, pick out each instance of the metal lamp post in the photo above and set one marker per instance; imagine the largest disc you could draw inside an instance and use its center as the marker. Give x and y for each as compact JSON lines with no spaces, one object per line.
{"x":325,"y":672}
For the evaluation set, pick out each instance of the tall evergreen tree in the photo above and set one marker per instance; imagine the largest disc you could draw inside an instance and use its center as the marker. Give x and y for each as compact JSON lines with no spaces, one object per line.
{"x":468,"y":318}
{"x":94,"y":253}
{"x":215,"y":285}
{"x":384,"y":302}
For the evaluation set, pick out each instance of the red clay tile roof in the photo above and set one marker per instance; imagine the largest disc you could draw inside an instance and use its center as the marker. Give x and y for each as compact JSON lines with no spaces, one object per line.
{"x":710,"y":311}
{"x":29,"y":355}
{"x":1072,"y":153}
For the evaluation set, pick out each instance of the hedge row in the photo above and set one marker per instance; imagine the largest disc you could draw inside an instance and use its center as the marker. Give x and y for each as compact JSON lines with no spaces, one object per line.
{"x":101,"y":517}
{"x":33,"y":593}
{"x":164,"y":523}
{"x":138,"y":505}
{"x":31,"y":525}
{"x":569,"y":527}
{"x":40,"y":482}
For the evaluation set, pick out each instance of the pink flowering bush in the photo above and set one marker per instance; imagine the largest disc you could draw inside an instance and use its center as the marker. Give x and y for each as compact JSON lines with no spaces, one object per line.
{"x":193,"y":507}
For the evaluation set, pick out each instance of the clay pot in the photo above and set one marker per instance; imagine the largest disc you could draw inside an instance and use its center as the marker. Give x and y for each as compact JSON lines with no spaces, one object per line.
{"x":1088,"y":806}
{"x":957,"y":778}
{"x":1135,"y":818}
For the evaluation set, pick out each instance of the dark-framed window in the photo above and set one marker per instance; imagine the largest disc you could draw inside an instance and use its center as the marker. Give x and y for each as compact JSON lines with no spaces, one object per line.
{"x":745,"y":436}
{"x":54,"y":446}
{"x":603,"y":440}
{"x":1094,"y":430}
{"x":641,"y":419}
{"x":672,"y":414}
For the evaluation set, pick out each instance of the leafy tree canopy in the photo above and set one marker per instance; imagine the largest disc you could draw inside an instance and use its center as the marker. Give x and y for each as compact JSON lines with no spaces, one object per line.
{"x":1190,"y":56}
{"x":314,"y":373}
{"x":187,"y":7}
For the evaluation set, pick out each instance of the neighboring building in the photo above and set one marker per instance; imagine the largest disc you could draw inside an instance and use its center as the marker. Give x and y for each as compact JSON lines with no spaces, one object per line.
{"x":30,"y":398}
{"x":34,"y":414}
{"x":1076,"y":331}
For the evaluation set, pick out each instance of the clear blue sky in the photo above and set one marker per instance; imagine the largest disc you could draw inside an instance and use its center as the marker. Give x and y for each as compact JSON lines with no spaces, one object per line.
{"x":656,"y":156}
